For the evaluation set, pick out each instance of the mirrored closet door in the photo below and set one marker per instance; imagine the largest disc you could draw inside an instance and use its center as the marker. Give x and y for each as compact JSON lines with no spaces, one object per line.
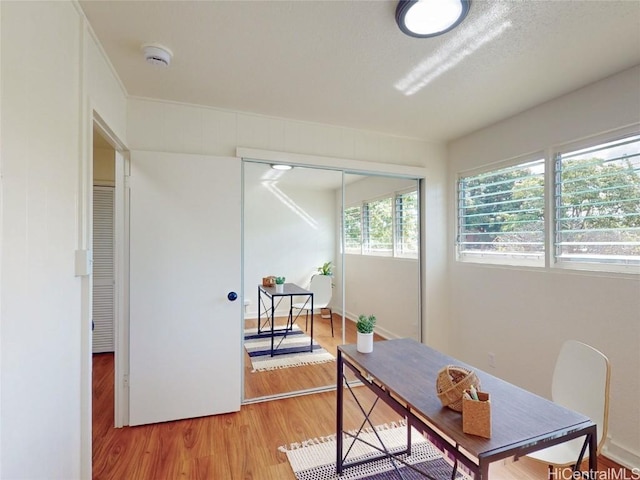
{"x":293,"y":222}
{"x":291,"y":230}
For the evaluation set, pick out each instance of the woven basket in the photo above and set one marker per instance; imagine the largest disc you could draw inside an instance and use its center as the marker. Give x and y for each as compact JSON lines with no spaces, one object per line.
{"x":452,"y":382}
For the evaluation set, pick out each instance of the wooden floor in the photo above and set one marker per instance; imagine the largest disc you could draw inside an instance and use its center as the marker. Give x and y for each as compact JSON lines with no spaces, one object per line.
{"x":277,"y":382}
{"x":241,"y":445}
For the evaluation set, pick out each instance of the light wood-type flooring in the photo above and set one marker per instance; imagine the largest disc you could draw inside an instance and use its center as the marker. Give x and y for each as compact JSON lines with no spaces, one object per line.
{"x":234,"y":446}
{"x":276,"y":382}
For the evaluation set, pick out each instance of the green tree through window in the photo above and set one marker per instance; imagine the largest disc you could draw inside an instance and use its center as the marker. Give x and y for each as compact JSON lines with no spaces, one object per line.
{"x":407,"y":224}
{"x":353,"y":229}
{"x":502,"y":211}
{"x":379,"y":226}
{"x":598,"y":203}
{"x":387,"y":226}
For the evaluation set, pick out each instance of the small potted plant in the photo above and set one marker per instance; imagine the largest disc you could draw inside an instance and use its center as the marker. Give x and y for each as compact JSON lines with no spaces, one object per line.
{"x":326,"y":269}
{"x":365,"y":325}
{"x":280,"y":284}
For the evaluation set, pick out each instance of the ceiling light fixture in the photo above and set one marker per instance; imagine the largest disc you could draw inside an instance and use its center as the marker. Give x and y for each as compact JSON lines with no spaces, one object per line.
{"x":428,"y":18}
{"x":157,"y":54}
{"x":280,"y":166}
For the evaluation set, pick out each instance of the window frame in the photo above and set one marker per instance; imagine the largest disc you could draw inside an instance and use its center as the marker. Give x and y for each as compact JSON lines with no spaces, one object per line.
{"x":591,"y":142}
{"x":551,"y":185}
{"x":364,"y":231}
{"x":397,"y":235}
{"x":536,"y":260}
{"x":347,"y":248}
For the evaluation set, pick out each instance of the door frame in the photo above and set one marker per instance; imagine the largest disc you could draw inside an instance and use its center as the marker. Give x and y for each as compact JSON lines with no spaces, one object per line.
{"x":92,"y":120}
{"x":121,"y":267}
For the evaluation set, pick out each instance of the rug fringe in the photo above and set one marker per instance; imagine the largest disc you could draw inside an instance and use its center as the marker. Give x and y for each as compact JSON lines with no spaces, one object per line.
{"x":330,"y":438}
{"x":307,"y":443}
{"x":298,"y":364}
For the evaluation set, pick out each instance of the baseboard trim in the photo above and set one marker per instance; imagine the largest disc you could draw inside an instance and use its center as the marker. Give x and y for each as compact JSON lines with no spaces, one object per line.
{"x":621,"y":455}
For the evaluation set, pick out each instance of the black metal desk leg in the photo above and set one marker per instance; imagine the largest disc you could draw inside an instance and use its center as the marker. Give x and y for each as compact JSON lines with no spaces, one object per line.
{"x":273,"y":321}
{"x":484,"y":471}
{"x":290,"y":319}
{"x":339,"y":418}
{"x":311,"y":346}
{"x":259,"y":309}
{"x":593,"y":451}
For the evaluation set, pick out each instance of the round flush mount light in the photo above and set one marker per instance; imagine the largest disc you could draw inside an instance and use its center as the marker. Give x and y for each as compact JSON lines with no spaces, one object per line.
{"x":428,"y":18}
{"x":157,"y":54}
{"x":280,"y":166}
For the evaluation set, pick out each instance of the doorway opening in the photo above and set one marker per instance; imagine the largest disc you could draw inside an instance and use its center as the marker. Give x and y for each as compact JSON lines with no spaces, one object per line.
{"x":103,"y":281}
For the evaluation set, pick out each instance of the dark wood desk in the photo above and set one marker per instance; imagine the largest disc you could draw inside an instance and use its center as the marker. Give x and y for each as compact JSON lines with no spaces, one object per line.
{"x":403,"y":374}
{"x":288,"y":290}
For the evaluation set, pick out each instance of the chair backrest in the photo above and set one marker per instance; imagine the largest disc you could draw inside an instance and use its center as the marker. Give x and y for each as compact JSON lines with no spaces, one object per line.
{"x":321,"y":287}
{"x":581,"y":383}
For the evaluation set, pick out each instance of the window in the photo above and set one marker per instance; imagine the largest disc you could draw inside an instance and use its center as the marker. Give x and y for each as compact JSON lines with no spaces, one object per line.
{"x":597,"y":203}
{"x":378,"y":227}
{"x":593,"y":197}
{"x":353,"y":230}
{"x":385,"y":226}
{"x":501,"y":214}
{"x":407,"y":224}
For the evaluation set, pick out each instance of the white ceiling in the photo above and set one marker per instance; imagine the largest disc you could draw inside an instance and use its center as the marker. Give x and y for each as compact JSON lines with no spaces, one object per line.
{"x":346,"y":63}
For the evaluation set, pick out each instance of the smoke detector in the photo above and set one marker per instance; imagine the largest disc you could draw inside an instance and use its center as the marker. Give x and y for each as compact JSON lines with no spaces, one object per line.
{"x":157,"y":54}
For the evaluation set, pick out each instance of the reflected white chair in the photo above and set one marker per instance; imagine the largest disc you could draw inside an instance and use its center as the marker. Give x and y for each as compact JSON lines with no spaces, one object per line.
{"x":580,"y":383}
{"x":320,"y":285}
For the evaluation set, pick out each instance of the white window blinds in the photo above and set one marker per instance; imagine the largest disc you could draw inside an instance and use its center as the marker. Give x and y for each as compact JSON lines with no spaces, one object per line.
{"x":353,"y":229}
{"x":597,"y":202}
{"x":501,"y":213}
{"x":378,"y":227}
{"x":407,"y":224}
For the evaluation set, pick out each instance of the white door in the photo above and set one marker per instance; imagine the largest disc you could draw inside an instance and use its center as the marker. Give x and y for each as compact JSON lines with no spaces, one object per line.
{"x":103,"y":269}
{"x":185,"y":334}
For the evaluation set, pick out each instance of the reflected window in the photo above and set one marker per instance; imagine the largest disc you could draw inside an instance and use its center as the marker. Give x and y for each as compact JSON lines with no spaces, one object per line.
{"x":385,"y":226}
{"x":378,"y":227}
{"x":353,"y":229}
{"x":407,"y":224}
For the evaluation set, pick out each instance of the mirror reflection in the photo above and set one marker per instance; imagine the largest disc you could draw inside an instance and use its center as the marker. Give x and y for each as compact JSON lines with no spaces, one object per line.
{"x":293,"y":235}
{"x":382,"y":269}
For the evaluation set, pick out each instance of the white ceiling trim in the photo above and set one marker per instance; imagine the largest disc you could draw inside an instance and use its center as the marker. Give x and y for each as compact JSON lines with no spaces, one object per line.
{"x":341,"y":164}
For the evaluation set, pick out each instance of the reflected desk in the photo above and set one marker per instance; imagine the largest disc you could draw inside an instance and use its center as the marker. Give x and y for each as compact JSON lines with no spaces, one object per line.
{"x":403,"y":374}
{"x":268,"y":309}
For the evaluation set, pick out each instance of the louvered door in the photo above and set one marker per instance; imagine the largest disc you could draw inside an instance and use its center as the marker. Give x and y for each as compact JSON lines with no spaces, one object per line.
{"x":103,"y":279}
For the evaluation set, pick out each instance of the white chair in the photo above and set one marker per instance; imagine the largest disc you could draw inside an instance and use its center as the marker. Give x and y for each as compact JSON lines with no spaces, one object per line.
{"x":580,"y":383}
{"x":320,"y":285}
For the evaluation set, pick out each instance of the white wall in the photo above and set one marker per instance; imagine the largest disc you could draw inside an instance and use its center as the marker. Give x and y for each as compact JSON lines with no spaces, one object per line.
{"x":387,"y":288}
{"x":105,"y":93}
{"x":288,"y":231}
{"x":170,"y":127}
{"x":523,"y":315}
{"x":40,"y":295}
{"x":45,"y":369}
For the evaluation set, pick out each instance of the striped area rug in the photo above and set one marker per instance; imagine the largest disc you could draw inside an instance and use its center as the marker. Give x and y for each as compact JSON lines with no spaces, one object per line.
{"x":295,"y":343}
{"x":315,"y":459}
